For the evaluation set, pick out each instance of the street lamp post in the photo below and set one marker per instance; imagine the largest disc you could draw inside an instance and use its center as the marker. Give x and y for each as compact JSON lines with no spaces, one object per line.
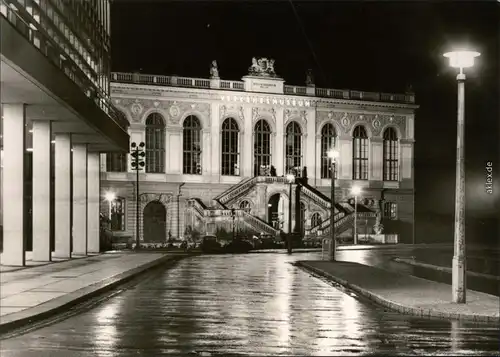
{"x":233,"y":214}
{"x":291,"y":179}
{"x":356,"y":190}
{"x":460,"y":59}
{"x":137,"y":164}
{"x":333,"y":155}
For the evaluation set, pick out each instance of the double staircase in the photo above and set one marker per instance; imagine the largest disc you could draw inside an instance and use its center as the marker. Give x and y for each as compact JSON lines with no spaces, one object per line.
{"x":220,"y":212}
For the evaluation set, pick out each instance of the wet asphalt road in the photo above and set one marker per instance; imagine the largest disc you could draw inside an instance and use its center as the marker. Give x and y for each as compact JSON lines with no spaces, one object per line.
{"x":255,"y":304}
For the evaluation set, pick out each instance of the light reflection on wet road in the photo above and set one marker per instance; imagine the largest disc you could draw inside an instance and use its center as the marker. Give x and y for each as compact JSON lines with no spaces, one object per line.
{"x":256,"y":304}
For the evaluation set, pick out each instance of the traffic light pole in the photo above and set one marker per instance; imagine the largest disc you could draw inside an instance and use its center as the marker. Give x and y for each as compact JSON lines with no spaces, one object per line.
{"x":136,"y":162}
{"x":137,"y":204}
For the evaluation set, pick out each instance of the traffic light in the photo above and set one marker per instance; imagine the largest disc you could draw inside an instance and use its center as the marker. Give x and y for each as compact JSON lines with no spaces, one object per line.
{"x":137,"y":154}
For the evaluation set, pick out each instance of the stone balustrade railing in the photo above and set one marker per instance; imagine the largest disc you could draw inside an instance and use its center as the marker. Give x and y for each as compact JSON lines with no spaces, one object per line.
{"x":257,"y":223}
{"x":203,"y":83}
{"x":312,"y":195}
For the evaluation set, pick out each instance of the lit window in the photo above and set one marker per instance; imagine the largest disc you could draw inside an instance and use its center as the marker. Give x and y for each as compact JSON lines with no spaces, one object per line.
{"x":117,"y":214}
{"x":328,"y":139}
{"x":230,"y":148}
{"x":390,"y":155}
{"x":293,"y":147}
{"x":191,"y":146}
{"x":360,"y":154}
{"x":155,"y":143}
{"x":262,"y":148}
{"x":390,"y":210}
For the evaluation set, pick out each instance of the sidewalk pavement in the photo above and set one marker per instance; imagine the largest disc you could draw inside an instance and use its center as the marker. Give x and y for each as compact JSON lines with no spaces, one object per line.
{"x":34,"y":293}
{"x":405,"y":293}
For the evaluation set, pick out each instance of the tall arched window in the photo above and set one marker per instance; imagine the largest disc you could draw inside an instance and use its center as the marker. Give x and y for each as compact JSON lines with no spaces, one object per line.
{"x":261,"y":148}
{"x":328,"y":142}
{"x":293,"y":147}
{"x":360,"y":154}
{"x":230,"y":148}
{"x":191,"y":146}
{"x":315,"y":219}
{"x":155,"y":143}
{"x":390,"y":155}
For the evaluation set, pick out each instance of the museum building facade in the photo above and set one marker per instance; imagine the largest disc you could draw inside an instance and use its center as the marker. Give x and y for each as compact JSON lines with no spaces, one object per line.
{"x":220,"y":152}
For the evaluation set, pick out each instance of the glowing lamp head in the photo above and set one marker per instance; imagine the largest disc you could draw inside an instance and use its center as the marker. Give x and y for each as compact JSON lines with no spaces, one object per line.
{"x":461,"y":59}
{"x":290,"y":177}
{"x":333,"y":154}
{"x":356,"y":190}
{"x":110,"y":196}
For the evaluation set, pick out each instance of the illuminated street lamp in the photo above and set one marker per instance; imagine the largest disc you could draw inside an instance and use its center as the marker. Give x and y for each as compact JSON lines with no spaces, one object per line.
{"x":110,"y":196}
{"x":291,"y":179}
{"x":355,"y":191}
{"x":460,"y":59}
{"x":332,"y":155}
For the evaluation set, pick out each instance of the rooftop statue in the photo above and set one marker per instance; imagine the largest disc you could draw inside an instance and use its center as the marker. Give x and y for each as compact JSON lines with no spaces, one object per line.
{"x":309,"y":78}
{"x":214,"y":70}
{"x":262,"y":67}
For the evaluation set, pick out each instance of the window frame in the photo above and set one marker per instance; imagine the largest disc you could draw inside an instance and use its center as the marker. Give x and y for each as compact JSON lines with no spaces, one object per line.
{"x":230,"y":160}
{"x":155,"y":133}
{"x":390,"y":155}
{"x":192,"y":137}
{"x":360,"y":153}
{"x":122,"y":215}
{"x":326,"y":145}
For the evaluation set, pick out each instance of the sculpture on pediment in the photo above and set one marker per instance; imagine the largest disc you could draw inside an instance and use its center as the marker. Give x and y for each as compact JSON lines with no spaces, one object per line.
{"x":214,"y":70}
{"x":309,"y":78}
{"x":262,"y":67}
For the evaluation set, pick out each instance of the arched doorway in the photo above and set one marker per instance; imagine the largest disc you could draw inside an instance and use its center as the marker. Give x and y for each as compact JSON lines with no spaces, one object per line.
{"x":154,"y":219}
{"x":273,"y":210}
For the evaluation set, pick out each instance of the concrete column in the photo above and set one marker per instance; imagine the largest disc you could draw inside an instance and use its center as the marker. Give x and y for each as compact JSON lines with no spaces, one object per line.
{"x":93,"y":198}
{"x":80,"y":199}
{"x":14,"y":239}
{"x":41,"y":191}
{"x":62,"y":196}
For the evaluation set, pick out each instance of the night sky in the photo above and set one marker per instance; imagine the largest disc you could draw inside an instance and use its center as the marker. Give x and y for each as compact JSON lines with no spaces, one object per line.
{"x":371,"y":46}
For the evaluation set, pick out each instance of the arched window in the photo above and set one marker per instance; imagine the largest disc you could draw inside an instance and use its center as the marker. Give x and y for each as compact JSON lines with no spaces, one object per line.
{"x":261,"y":148}
{"x":390,"y":155}
{"x":116,"y":162}
{"x":192,"y":146}
{"x":245,"y":206}
{"x":316,"y":219}
{"x":293,"y":147}
{"x":230,"y":148}
{"x":328,"y":142}
{"x":155,"y":143}
{"x":360,"y":154}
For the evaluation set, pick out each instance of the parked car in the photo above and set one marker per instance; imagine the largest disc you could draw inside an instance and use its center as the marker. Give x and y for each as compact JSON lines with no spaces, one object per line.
{"x":209,"y":244}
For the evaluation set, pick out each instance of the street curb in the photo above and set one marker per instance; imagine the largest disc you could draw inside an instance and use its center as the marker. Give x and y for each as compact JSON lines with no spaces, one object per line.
{"x":407,"y":310}
{"x":416,"y":263}
{"x":63,"y":303}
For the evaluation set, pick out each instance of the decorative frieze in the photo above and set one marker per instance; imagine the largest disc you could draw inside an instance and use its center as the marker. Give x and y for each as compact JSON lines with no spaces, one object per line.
{"x":289,"y":102}
{"x":374,"y":122}
{"x":259,"y":112}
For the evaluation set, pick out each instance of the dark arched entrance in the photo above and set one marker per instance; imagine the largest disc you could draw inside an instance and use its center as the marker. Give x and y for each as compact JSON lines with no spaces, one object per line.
{"x":272,"y":210}
{"x":154,"y":219}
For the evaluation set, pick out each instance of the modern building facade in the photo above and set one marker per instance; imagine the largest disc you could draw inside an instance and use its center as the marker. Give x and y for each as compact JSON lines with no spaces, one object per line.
{"x":56,"y":119}
{"x":218,"y":152}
